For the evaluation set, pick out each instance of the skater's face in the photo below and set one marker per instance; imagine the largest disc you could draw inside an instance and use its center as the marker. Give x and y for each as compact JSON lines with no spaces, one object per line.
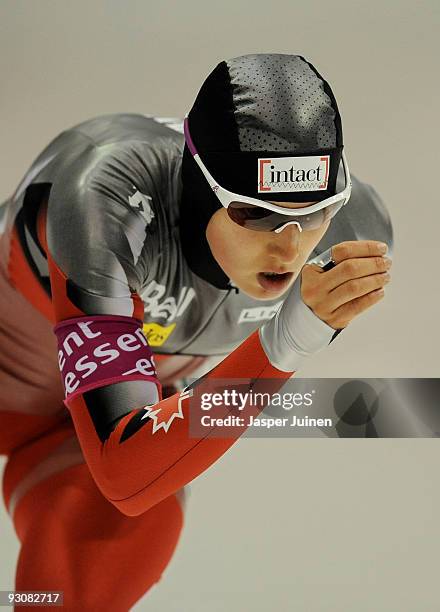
{"x":246,"y":255}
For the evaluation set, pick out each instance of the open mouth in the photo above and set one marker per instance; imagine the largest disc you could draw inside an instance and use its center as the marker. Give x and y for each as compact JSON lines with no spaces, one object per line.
{"x":273,"y":282}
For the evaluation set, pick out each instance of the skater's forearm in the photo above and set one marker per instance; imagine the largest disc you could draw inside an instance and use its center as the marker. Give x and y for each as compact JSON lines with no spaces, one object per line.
{"x":144,"y":460}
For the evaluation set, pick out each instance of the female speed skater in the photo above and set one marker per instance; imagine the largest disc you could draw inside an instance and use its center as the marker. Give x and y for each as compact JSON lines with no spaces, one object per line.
{"x":135,"y":253}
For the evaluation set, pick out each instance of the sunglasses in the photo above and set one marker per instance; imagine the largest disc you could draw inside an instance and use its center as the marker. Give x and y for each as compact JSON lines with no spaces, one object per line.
{"x":264,"y":216}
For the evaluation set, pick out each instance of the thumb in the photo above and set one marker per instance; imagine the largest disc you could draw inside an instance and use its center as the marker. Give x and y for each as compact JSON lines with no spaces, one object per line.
{"x":308,"y":274}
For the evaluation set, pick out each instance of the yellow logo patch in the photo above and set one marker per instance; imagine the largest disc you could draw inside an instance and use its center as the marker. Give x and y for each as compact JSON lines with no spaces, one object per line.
{"x":157,"y":334}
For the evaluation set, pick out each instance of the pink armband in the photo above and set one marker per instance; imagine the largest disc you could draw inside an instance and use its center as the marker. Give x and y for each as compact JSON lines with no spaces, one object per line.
{"x":100,"y":350}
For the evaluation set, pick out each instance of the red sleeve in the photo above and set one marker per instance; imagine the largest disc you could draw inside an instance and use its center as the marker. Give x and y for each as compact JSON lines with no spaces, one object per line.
{"x":138,"y":466}
{"x":134,"y":463}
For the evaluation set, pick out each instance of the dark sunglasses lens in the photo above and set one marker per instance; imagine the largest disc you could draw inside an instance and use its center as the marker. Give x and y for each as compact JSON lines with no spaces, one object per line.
{"x":320,"y":217}
{"x":252,"y":217}
{"x":263,"y":220}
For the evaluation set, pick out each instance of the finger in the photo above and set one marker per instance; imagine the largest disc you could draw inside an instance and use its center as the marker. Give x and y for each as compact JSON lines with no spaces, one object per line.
{"x":355,"y":268}
{"x":343,"y":315}
{"x":357,"y":248}
{"x":355,"y":288}
{"x":311,"y":267}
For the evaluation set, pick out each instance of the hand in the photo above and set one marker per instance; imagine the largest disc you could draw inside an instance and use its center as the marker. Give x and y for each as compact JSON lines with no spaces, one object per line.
{"x":352,"y":286}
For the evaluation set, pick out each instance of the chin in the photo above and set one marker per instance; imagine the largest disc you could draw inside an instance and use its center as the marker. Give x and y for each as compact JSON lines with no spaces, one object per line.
{"x":258,"y":293}
{"x":265,"y":297}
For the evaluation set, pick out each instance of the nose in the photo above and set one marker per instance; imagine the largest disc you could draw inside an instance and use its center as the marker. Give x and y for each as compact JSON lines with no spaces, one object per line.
{"x":284,"y":245}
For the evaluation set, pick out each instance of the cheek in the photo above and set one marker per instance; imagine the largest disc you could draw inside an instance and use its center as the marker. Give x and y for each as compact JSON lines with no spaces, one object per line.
{"x":230,"y":244}
{"x":221,"y":239}
{"x":312,"y":238}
